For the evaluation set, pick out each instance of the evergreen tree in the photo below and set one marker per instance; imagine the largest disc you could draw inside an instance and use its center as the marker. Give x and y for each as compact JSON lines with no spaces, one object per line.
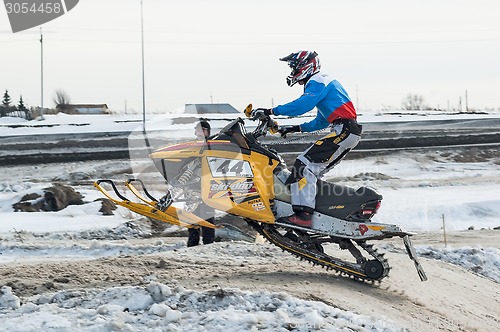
{"x":23,"y":110}
{"x":21,"y":106}
{"x":6,"y":99}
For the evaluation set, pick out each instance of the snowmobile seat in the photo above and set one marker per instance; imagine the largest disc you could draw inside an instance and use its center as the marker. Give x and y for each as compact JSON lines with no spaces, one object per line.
{"x":340,"y":201}
{"x":331,"y":199}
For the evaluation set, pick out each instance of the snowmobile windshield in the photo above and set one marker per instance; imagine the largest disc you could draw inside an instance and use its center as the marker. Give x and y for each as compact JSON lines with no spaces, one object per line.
{"x":235,"y":132}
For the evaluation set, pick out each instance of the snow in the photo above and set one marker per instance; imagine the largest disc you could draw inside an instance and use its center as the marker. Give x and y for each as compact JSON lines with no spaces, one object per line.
{"x":90,"y":123}
{"x":158,"y":307}
{"x":420,"y":191}
{"x":483,"y":261}
{"x":72,"y":218}
{"x":419,"y":195}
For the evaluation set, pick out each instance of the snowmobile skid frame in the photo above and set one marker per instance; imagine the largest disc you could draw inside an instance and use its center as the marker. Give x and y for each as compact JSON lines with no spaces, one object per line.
{"x":307,"y":245}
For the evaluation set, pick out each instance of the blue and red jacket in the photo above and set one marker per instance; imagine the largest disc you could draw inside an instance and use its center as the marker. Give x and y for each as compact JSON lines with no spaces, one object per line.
{"x":327,"y":95}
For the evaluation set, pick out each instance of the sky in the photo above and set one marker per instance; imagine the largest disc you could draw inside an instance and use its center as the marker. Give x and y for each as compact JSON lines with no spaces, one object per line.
{"x":225,"y":51}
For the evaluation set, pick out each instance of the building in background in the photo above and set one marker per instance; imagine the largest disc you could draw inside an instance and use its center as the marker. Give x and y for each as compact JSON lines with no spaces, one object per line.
{"x":83,"y":108}
{"x":209,"y":109}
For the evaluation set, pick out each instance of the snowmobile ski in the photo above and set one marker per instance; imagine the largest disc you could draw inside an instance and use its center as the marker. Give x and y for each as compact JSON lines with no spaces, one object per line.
{"x":172,"y":215}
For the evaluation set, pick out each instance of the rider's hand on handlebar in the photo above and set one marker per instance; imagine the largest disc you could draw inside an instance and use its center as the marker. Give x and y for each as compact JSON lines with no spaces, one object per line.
{"x":288,"y":129}
{"x":260,"y":113}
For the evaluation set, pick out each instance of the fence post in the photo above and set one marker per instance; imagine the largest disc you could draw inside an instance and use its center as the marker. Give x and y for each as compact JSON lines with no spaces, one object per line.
{"x":444,"y":231}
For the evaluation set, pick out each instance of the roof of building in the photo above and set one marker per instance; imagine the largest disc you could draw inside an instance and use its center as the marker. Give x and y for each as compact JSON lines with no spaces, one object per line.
{"x":209,"y":108}
{"x":69,"y":106}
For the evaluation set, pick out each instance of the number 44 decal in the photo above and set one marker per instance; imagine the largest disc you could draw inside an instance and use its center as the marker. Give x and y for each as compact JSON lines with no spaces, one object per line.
{"x":222,"y":167}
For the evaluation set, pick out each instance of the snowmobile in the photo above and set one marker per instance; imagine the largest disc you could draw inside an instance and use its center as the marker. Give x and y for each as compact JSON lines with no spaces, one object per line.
{"x":233,"y":172}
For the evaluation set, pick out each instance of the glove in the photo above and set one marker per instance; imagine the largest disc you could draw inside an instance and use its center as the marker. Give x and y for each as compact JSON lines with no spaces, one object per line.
{"x":260,"y":113}
{"x":288,"y":129}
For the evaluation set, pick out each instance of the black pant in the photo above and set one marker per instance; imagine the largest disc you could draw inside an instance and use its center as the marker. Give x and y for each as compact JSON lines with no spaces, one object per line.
{"x":207,"y":233}
{"x":320,"y":157}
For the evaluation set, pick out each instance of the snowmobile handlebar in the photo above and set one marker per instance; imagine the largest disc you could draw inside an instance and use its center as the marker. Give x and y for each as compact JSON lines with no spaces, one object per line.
{"x":266,"y":123}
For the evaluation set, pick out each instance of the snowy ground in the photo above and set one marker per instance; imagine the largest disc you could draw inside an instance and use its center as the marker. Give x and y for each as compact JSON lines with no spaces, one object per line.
{"x":77,"y":270}
{"x":181,"y":125}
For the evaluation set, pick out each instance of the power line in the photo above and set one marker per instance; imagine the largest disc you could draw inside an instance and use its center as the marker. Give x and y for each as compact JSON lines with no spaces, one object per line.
{"x":206,"y":42}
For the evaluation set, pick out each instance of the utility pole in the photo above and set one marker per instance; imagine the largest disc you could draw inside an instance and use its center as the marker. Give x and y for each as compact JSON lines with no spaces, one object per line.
{"x":143,"y":84}
{"x":466,"y":102}
{"x":41,"y":73}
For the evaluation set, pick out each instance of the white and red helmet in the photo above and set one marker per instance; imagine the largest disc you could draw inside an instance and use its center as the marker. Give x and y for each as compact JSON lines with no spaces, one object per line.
{"x":304,"y":64}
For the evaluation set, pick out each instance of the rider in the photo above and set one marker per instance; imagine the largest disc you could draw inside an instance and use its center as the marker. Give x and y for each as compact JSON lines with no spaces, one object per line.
{"x":335,"y":109}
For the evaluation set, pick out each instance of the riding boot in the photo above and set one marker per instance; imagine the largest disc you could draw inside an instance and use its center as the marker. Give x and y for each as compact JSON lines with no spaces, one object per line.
{"x":208,"y":233}
{"x":299,"y":218}
{"x":193,"y":237}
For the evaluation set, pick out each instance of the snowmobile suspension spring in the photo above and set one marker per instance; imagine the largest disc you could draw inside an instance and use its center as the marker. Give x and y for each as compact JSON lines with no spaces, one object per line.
{"x":188,"y":173}
{"x":184,"y":178}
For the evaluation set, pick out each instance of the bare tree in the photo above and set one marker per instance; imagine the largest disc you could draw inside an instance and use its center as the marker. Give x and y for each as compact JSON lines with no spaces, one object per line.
{"x":61,"y":99}
{"x":414,"y":102}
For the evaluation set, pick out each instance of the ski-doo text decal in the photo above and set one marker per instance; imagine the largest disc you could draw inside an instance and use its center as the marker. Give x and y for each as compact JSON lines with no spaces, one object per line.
{"x":222,"y":167}
{"x":232,"y":189}
{"x":239,"y":191}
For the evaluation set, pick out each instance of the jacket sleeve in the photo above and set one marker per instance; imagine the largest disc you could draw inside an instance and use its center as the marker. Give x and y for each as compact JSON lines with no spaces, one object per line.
{"x":319,"y":122}
{"x":304,"y":103}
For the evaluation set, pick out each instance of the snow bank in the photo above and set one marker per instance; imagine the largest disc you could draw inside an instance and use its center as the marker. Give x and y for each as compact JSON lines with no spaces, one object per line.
{"x":95,"y":249}
{"x":8,"y":299}
{"x":482,"y":261}
{"x":173,"y":123}
{"x":159,"y":307}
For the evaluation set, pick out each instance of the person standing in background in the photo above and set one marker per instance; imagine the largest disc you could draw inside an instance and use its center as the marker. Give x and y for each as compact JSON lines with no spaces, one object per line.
{"x":202,"y":132}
